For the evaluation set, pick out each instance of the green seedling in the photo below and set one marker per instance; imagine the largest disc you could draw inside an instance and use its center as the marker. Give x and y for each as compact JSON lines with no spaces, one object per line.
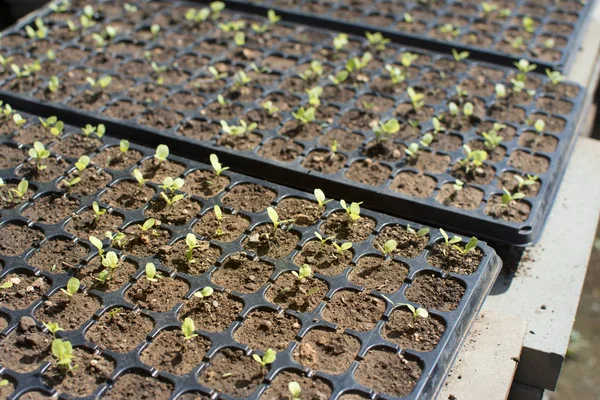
{"x":295,"y":390}
{"x":397,"y":75}
{"x":98,"y":212}
{"x":271,"y":108}
{"x":303,"y":273}
{"x":6,"y":285}
{"x":437,"y":125}
{"x":147,"y":226}
{"x":4,"y":382}
{"x":488,"y":7}
{"x":216,"y":165}
{"x":172,"y":200}
{"x":137,"y":174}
{"x":39,"y":153}
{"x":219,"y":217}
{"x":388,"y":248}
{"x":500,"y":90}
{"x":352,"y":210}
{"x":170,"y":185}
{"x":460,"y":92}
{"x":468,"y":109}
{"x":463,"y":55}
{"x":72,"y":287}
{"x":19,"y":120}
{"x":469,"y":247}
{"x":555,"y":76}
{"x":111,"y":261}
{"x":418,"y":234}
{"x":377,"y":40}
{"x":408,"y":18}
{"x":385,"y":130}
{"x":416,"y":312}
{"x":55,"y":126}
{"x":266,"y":359}
{"x":21,"y":189}
{"x":273,"y":19}
{"x":112,"y":314}
{"x":240,"y":79}
{"x":52,"y":327}
{"x":99,"y":130}
{"x":450,"y":241}
{"x":39,"y":32}
{"x":124,"y":145}
{"x":492,"y":139}
{"x":305,"y":116}
{"x":524,"y":67}
{"x":196,"y":16}
{"x":62,"y":350}
{"x":324,"y":240}
{"x":408,"y":58}
{"x":339,"y":78}
{"x":216,"y":74}
{"x":539,"y":126}
{"x":222,"y":101}
{"x":158,"y":70}
{"x":151,"y":274}
{"x":314,"y":71}
{"x":60,"y":7}
{"x":340,"y":41}
{"x":341,"y":248}
{"x":517,"y":42}
{"x":449,"y":29}
{"x":204,"y":293}
{"x":314,"y":95}
{"x":97,"y":243}
{"x":188,"y":329}
{"x":116,"y":239}
{"x":507,"y":197}
{"x":528,"y":24}
{"x":192,"y":243}
{"x":529,"y":181}
{"x":100,"y":84}
{"x":82,"y":163}
{"x":415,"y":98}
{"x":155,"y":30}
{"x":458,"y":186}
{"x":549,"y":43}
{"x":474,"y":159}
{"x":87,"y":19}
{"x":162,"y":152}
{"x":238,"y":130}
{"x":274,"y":217}
{"x":355,"y":64}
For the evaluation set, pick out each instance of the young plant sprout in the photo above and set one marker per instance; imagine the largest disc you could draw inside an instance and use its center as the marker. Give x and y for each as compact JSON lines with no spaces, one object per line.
{"x":377,"y":40}
{"x":72,"y":287}
{"x":492,"y":139}
{"x":388,"y":248}
{"x":155,"y":30}
{"x":204,"y":293}
{"x":528,"y":24}
{"x":458,"y":186}
{"x":242,"y":130}
{"x":82,"y":163}
{"x":449,"y":28}
{"x":52,"y":327}
{"x":474,"y":159}
{"x":147,"y":226}
{"x":124,"y":145}
{"x":339,"y":78}
{"x":273,"y":19}
{"x":62,"y":350}
{"x":314,"y":95}
{"x":6,"y":285}
{"x":524,"y":67}
{"x":39,"y":153}
{"x":137,"y":174}
{"x":539,"y":126}
{"x":192,"y":243}
{"x":99,"y":130}
{"x":420,"y":233}
{"x":100,"y":84}
{"x":217,"y":166}
{"x":340,"y":41}
{"x":20,"y":190}
{"x":158,"y":70}
{"x":53,"y":125}
{"x":324,"y":240}
{"x":97,"y":243}
{"x":469,"y":247}
{"x":437,"y":125}
{"x":216,"y":74}
{"x":295,"y":390}
{"x":274,"y":217}
{"x":116,"y":239}
{"x":151,"y":274}
{"x":450,"y":241}
{"x":407,"y":58}
{"x":397,"y":75}
{"x":188,"y":329}
{"x":162,"y":152}
{"x":314,"y":71}
{"x":507,"y":197}
{"x":303,"y":273}
{"x":240,"y":79}
{"x":170,"y":185}
{"x":408,"y":18}
{"x":415,"y":98}
{"x":342,"y":247}
{"x":353,"y":210}
{"x":219,"y":217}
{"x":305,"y":116}
{"x":460,"y":56}
{"x":19,"y":120}
{"x":417,"y":312}
{"x":266,"y":359}
{"x":40,"y":32}
{"x":271,"y":108}
{"x":98,"y":212}
{"x":555,"y":76}
{"x":355,"y":64}
{"x":531,"y":180}
{"x":386,"y":129}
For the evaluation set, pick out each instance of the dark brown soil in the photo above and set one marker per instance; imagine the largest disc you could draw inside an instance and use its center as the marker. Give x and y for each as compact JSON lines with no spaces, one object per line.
{"x":507,"y":180}
{"x":323,"y":259}
{"x":368,"y":172}
{"x":127,"y":195}
{"x":33,"y":133}
{"x":495,"y":155}
{"x":262,"y":330}
{"x":388,"y":372}
{"x":76,"y":145}
{"x":15,"y":239}
{"x":515,"y":211}
{"x":242,"y":274}
{"x":243,"y":143}
{"x":50,"y":209}
{"x":528,"y":163}
{"x":481,"y":176}
{"x":174,"y":256}
{"x":92,"y":370}
{"x":121,"y":332}
{"x":347,"y":141}
{"x":10,"y":156}
{"x":431,"y":291}
{"x":299,"y":131}
{"x":327,"y":351}
{"x":408,"y":244}
{"x":233,"y":373}
{"x":57,"y":256}
{"x":312,"y":389}
{"x":338,"y":224}
{"x":9,"y":200}
{"x":421,"y":334}
{"x":124,"y":110}
{"x":303,"y":212}
{"x":68,"y":312}
{"x":83,"y":225}
{"x":301,"y":296}
{"x":25,"y":291}
{"x":413,"y":184}
{"x":249,"y":197}
{"x":430,"y":162}
{"x":231,"y":226}
{"x":157,"y":171}
{"x":212,"y":314}
{"x":468,"y":198}
{"x":284,"y":150}
{"x":144,"y":245}
{"x":205,"y":184}
{"x":265,"y":241}
{"x":53,"y":165}
{"x":552,"y":124}
{"x":92,"y":180}
{"x":25,"y":348}
{"x":449,"y":258}
{"x":544,"y":144}
{"x":171,"y":352}
{"x":324,"y":161}
{"x":114,"y":158}
{"x":386,"y":150}
{"x":199,"y":129}
{"x":120,"y":275}
{"x":180,"y":213}
{"x":375,"y":273}
{"x":353,"y":310}
{"x":134,"y":386}
{"x":158,"y":296}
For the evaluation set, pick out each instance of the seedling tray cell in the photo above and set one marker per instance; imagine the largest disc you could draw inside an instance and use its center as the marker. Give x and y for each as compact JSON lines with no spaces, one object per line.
{"x":552,"y":41}
{"x":184,"y":111}
{"x":126,"y":332}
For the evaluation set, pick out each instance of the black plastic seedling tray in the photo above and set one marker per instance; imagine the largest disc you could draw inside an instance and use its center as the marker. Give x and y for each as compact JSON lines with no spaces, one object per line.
{"x":435,"y":364}
{"x":383,"y":196}
{"x":568,"y":19}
